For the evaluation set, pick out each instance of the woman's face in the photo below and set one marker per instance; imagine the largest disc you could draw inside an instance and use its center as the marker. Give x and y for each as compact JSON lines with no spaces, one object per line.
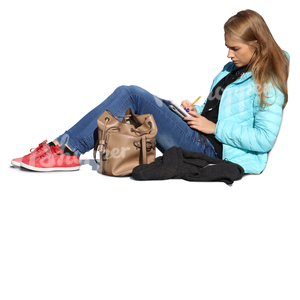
{"x":238,"y":52}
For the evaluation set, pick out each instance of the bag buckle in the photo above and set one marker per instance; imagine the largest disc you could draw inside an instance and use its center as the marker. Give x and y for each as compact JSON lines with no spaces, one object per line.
{"x":149,"y":145}
{"x":102,"y":149}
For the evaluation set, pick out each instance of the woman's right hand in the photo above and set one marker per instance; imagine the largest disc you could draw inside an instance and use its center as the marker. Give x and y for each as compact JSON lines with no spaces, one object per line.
{"x":187,"y":104}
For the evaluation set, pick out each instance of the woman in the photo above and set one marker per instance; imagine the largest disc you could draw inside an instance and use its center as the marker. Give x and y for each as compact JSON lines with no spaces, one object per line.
{"x":238,"y":122}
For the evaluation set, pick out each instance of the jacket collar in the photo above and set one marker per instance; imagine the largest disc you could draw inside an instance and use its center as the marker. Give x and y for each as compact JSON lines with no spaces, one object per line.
{"x":231,"y":67}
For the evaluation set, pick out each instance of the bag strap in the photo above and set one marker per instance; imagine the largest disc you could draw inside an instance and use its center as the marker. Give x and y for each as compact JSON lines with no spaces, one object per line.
{"x":144,"y":150}
{"x":100,"y":142}
{"x":95,"y":152}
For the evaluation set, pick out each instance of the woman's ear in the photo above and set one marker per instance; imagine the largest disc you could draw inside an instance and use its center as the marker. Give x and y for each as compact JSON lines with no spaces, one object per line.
{"x":255,"y":45}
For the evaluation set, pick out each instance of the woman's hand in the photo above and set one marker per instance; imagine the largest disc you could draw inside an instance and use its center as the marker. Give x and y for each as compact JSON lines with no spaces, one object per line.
{"x":186,"y":104}
{"x":200,"y":123}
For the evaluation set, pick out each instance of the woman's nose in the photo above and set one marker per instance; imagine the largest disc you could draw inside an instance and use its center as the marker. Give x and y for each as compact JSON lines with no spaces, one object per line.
{"x":230,"y":54}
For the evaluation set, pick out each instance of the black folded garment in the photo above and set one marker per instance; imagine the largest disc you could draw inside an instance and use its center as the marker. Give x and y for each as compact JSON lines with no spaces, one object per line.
{"x":192,"y":166}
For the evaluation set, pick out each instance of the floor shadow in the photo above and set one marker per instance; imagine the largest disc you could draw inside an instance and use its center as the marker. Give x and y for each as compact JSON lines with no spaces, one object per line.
{"x":21,"y":169}
{"x":90,"y":162}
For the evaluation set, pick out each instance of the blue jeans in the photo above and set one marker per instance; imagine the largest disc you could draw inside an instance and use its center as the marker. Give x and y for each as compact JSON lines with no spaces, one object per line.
{"x":172,"y":130}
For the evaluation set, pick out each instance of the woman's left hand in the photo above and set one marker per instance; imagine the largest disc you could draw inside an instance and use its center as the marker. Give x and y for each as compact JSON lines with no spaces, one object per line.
{"x":200,"y":123}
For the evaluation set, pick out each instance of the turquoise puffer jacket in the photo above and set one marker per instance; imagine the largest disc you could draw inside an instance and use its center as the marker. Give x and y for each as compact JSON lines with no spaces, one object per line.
{"x":246,"y":131}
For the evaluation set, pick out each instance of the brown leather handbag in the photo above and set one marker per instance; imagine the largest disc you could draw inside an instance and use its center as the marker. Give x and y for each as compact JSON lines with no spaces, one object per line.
{"x":123,"y":145}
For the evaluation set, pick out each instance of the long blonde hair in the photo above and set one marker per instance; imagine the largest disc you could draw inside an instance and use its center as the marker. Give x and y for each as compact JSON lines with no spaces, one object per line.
{"x":269,"y":63}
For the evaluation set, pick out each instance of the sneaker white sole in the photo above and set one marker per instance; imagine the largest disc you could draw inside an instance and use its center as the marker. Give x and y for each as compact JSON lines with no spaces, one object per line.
{"x":48,"y":169}
{"x":15,"y":164}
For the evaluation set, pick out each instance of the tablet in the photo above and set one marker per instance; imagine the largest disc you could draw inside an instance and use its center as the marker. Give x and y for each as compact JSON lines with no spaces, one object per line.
{"x":176,"y":108}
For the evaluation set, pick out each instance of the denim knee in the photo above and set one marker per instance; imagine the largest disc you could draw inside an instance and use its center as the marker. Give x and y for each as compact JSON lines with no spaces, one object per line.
{"x":130,"y":89}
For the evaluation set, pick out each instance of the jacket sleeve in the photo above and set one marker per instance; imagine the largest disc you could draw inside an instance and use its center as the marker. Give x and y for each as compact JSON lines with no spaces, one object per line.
{"x":261,"y":136}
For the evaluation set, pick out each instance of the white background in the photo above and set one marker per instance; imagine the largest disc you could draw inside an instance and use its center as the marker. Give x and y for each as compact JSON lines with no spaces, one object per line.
{"x":82,"y":235}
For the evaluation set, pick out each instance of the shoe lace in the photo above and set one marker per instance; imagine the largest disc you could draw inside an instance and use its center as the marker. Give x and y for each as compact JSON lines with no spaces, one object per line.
{"x":53,"y":150}
{"x":56,"y":150}
{"x":40,"y":148}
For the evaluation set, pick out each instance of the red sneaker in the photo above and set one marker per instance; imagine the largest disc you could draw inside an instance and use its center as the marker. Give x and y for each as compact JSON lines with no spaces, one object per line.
{"x":53,"y":160}
{"x":17,"y":162}
{"x":34,"y":152}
